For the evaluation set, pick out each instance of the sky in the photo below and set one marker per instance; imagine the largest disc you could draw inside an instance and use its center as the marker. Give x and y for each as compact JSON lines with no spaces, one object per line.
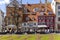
{"x":3,"y":3}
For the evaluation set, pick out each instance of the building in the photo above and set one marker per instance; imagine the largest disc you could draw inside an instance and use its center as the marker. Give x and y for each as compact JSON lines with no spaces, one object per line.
{"x":56,"y":9}
{"x":1,"y":20}
{"x":14,"y":12}
{"x":37,"y":15}
{"x":47,"y":17}
{"x":29,"y":16}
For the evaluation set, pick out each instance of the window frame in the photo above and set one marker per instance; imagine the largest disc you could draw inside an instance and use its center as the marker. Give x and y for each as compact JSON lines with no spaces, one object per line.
{"x":58,"y":18}
{"x":36,"y":9}
{"x":58,"y":7}
{"x":58,"y":12}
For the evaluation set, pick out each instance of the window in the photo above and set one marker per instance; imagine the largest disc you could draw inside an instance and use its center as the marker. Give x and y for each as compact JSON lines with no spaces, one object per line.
{"x":42,"y":13}
{"x":50,"y":17}
{"x":16,"y":14}
{"x":34,"y":23}
{"x":47,"y":20}
{"x":24,"y":24}
{"x":58,"y":7}
{"x":58,"y":26}
{"x":51,"y":20}
{"x":12,"y":23}
{"x":27,"y":18}
{"x":51,"y":26}
{"x":58,"y":18}
{"x":9,"y":22}
{"x":58,"y":12}
{"x":47,"y":23}
{"x":41,"y":18}
{"x":43,"y":10}
{"x":36,"y":9}
{"x":20,"y":19}
{"x":50,"y":12}
{"x":51,"y":23}
{"x":11,"y":14}
{"x":39,"y":21}
{"x":9,"y":19}
{"x":26,"y":10}
{"x":33,"y":18}
{"x":30,"y":24}
{"x":52,"y":3}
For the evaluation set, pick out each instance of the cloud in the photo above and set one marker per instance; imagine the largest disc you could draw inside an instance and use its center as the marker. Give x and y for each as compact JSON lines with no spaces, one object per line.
{"x":4,"y":2}
{"x":7,"y":1}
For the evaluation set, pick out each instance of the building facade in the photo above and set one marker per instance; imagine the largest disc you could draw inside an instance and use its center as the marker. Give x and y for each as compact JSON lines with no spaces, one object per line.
{"x":29,"y":16}
{"x":39,"y":14}
{"x":1,"y":20}
{"x":13,"y":14}
{"x":56,"y":9}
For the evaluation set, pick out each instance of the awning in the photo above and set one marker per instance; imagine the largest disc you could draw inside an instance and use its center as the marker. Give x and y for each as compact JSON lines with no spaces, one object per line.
{"x":41,"y":26}
{"x":11,"y":26}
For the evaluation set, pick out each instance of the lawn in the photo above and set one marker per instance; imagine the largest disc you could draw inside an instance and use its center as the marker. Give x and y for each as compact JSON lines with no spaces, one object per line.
{"x":31,"y":37}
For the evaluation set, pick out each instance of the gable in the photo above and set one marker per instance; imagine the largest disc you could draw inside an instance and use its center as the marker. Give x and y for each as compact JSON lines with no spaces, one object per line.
{"x":13,"y":3}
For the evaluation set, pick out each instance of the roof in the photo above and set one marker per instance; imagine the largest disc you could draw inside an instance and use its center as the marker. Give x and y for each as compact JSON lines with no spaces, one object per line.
{"x":13,"y":3}
{"x":31,"y":8}
{"x":41,"y":7}
{"x":57,"y":0}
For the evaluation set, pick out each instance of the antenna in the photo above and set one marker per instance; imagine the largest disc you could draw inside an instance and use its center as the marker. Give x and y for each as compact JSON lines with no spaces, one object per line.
{"x":40,"y":2}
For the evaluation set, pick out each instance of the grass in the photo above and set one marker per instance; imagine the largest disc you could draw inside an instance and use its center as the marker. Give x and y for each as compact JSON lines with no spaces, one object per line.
{"x":31,"y":37}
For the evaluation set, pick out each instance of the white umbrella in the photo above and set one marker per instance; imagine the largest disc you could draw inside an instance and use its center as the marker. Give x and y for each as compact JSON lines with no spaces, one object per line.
{"x":41,"y":26}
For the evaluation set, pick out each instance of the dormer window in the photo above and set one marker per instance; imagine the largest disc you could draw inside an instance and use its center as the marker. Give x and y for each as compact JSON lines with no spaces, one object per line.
{"x":43,"y":10}
{"x":41,"y":13}
{"x":36,"y":9}
{"x":50,"y":12}
{"x":25,"y":10}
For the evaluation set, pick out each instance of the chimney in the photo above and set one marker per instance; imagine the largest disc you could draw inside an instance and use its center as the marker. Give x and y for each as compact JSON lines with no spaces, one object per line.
{"x":46,"y":5}
{"x":45,"y":1}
